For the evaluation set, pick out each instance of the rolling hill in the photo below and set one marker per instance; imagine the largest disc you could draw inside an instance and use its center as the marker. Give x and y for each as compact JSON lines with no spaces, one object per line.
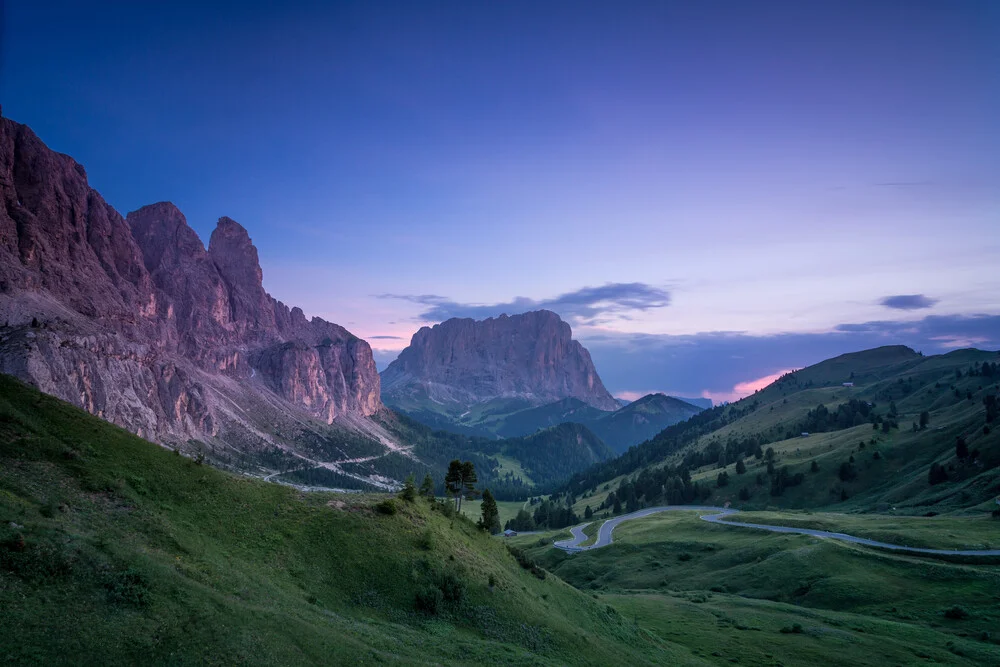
{"x":117,"y":551}
{"x":846,"y":432}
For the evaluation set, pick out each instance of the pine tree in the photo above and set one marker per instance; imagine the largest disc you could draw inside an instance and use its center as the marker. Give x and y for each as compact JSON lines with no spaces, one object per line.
{"x":453,"y":481}
{"x":490,"y":520}
{"x":961,"y":448}
{"x":741,"y":467}
{"x":427,"y":487}
{"x":409,"y":492}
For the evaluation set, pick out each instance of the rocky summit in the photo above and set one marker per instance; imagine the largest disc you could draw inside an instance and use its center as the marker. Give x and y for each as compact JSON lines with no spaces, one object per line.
{"x":136,"y":321}
{"x":531,"y":357}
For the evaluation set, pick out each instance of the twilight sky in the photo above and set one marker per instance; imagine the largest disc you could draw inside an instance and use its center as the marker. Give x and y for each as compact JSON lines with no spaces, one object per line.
{"x":709,"y":192}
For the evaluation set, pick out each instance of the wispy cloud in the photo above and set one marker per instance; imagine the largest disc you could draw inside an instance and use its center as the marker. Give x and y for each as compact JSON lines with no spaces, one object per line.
{"x":713,"y":363}
{"x":386,"y":337}
{"x":588,"y":305}
{"x":908,"y":301}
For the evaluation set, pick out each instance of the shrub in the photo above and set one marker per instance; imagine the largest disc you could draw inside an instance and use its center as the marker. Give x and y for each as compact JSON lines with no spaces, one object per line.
{"x":957,"y":613}
{"x":426,"y":540}
{"x":452,"y":587}
{"x":387,"y":507}
{"x":683,"y":557}
{"x":795,"y":628}
{"x":127,"y":587}
{"x":429,"y":599}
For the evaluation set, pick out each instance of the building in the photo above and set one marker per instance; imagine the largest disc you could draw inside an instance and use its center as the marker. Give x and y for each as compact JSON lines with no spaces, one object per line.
{"x":848,"y":384}
{"x":510,"y":533}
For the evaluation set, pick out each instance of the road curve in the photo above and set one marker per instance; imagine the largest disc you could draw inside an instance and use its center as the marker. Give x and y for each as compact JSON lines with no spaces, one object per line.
{"x":717,"y":516}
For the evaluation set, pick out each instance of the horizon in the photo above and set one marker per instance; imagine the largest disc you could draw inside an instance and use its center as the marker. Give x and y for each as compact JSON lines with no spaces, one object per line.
{"x":708,"y":198}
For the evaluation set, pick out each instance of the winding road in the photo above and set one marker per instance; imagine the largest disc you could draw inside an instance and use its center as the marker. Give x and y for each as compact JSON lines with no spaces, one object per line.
{"x":717,"y":515}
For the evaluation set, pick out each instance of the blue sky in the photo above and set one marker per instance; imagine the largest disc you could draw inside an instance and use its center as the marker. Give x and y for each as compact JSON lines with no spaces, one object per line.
{"x":709,"y":192}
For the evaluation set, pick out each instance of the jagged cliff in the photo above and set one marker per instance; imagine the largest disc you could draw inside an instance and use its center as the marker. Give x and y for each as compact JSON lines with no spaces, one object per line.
{"x":137,"y":322}
{"x":531,"y":356}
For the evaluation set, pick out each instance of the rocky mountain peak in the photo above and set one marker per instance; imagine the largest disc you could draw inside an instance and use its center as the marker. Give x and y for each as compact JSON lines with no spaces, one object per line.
{"x":531,"y":356}
{"x":235,"y":256}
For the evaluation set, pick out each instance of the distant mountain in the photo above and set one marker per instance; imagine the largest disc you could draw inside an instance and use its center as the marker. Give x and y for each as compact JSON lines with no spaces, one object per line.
{"x":528,"y":421}
{"x":641,"y":420}
{"x":472,"y":373}
{"x":703,"y":403}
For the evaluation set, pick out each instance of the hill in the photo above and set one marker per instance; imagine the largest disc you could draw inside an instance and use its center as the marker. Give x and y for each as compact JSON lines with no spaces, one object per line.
{"x":641,"y":420}
{"x":810,"y":440}
{"x":117,"y":551}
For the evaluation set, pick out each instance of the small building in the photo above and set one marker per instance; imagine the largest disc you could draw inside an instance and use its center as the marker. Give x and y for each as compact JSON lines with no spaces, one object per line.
{"x":510,"y":533}
{"x":805,"y":434}
{"x":848,"y":384}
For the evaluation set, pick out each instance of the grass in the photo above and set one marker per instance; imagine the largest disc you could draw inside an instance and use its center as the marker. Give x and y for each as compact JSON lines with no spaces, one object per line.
{"x":162,"y":560}
{"x":508,"y":509}
{"x":940,"y":532}
{"x":657,"y":562}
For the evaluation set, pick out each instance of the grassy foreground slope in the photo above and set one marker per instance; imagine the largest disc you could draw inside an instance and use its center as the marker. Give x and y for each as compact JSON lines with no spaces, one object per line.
{"x":116,"y":551}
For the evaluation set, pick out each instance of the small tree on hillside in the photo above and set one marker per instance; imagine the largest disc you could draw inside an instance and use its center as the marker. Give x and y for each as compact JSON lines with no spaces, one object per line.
{"x":469,"y":480}
{"x":490,"y":520}
{"x":453,"y":481}
{"x":925,"y":419}
{"x":741,"y":467}
{"x":409,"y":492}
{"x":427,"y":487}
{"x":617,"y":507}
{"x":961,"y":448}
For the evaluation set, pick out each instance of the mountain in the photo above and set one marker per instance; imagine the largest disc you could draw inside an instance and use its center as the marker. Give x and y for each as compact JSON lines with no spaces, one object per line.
{"x":468,"y":374}
{"x":641,"y":420}
{"x":866,"y":431}
{"x":137,"y":322}
{"x":627,"y":426}
{"x":703,"y":403}
{"x":525,"y":422}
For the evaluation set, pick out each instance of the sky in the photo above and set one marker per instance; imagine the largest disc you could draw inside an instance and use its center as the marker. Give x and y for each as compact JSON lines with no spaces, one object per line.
{"x":710,"y":193}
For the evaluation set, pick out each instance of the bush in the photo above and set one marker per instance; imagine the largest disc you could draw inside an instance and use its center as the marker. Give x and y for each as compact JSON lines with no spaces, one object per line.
{"x":387,"y":507}
{"x":796,"y":629}
{"x":426,"y":540}
{"x":127,"y":587}
{"x":957,"y":613}
{"x":452,"y":587}
{"x":683,"y":557}
{"x":429,"y":599}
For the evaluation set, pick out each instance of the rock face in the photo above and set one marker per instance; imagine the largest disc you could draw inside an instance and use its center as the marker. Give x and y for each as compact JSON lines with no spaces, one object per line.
{"x":135,"y":321}
{"x":531,"y":356}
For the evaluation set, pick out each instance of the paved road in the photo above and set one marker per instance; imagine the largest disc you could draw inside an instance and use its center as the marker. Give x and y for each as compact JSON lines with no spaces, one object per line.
{"x":717,"y":516}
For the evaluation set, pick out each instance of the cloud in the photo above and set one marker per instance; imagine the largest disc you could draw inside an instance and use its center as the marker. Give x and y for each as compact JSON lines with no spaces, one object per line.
{"x":908,"y":301}
{"x":715,"y":362}
{"x":386,"y":337}
{"x":588,"y":305}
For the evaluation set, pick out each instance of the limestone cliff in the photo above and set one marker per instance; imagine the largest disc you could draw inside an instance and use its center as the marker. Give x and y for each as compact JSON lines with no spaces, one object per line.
{"x":137,"y":322}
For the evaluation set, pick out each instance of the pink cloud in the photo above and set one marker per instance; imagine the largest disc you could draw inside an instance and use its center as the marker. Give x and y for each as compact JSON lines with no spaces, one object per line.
{"x":743,"y":389}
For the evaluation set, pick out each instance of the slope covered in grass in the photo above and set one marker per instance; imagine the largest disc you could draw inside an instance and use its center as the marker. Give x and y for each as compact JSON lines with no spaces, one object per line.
{"x":116,"y":551}
{"x":729,"y":592}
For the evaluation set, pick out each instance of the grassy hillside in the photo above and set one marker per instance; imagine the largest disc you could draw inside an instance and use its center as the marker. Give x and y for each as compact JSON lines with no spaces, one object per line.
{"x":740,"y":593}
{"x":809,"y":441}
{"x":116,"y":551}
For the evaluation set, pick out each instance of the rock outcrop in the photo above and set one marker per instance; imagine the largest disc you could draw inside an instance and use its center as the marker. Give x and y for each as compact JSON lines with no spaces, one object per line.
{"x":531,"y":356}
{"x":137,"y":322}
